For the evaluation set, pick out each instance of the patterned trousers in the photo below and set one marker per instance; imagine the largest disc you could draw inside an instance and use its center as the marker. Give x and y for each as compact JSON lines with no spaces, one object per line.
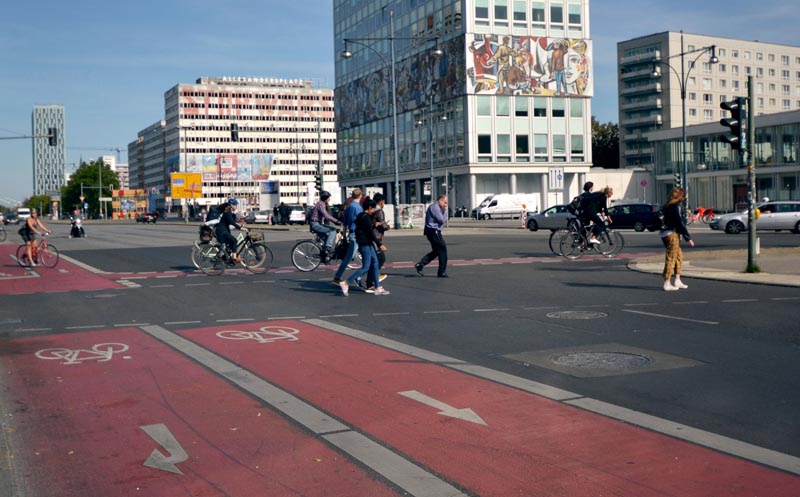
{"x":674,"y":257}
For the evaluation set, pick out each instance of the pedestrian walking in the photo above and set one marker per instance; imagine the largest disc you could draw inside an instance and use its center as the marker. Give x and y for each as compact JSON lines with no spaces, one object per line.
{"x":367,"y":241}
{"x":381,"y":226}
{"x":283,"y":210}
{"x":435,"y":217}
{"x":671,"y":237}
{"x":352,"y":210}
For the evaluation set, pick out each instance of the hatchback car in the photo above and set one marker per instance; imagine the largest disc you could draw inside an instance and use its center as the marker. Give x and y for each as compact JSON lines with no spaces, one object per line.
{"x":554,"y":218}
{"x":638,"y":217}
{"x":775,"y":215}
{"x":147,"y":217}
{"x":297,"y":214}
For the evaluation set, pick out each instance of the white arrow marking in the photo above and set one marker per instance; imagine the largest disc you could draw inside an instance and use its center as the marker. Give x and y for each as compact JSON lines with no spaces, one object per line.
{"x":161,"y":434}
{"x":465,"y":414}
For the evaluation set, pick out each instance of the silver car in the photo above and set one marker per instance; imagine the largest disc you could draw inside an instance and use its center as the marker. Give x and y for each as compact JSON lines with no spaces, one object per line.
{"x":554,"y":218}
{"x":775,"y":215}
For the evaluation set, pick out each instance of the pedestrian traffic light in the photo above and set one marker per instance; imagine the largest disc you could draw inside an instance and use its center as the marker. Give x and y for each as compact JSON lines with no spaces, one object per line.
{"x":738,"y":109}
{"x":52,"y":136}
{"x":234,"y":132}
{"x":318,"y":182}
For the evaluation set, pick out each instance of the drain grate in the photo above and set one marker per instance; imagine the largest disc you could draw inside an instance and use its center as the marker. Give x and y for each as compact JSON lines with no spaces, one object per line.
{"x":577,"y":315}
{"x":601,"y":360}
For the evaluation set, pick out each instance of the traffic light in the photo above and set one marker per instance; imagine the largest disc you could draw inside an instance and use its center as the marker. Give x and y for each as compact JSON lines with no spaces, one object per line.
{"x":737,"y":136}
{"x":450,"y":181}
{"x":234,"y":132}
{"x":52,"y":136}
{"x":318,"y":182}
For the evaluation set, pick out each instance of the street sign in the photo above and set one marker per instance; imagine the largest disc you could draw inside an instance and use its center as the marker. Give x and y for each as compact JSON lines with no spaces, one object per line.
{"x":643,"y":183}
{"x":105,"y":199}
{"x":556,"y":175}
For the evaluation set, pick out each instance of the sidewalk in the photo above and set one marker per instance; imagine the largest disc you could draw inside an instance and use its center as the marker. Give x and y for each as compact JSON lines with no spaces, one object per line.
{"x":779,"y":266}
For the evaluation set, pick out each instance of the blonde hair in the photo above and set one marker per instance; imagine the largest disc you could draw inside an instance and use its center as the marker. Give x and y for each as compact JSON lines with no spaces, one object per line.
{"x":676,"y":195}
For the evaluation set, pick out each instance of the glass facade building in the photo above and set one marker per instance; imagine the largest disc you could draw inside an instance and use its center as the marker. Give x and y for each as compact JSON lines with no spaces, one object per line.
{"x":48,"y":160}
{"x":507,"y":100}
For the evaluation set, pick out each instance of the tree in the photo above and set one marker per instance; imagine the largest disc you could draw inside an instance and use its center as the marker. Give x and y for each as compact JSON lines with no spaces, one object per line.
{"x":39,"y":202}
{"x":89,"y":175}
{"x":605,"y":145}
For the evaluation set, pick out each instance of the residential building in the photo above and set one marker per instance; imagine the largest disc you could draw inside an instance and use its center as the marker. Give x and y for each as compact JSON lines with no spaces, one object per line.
{"x":717,"y":178}
{"x":505,"y":108}
{"x":648,"y":103}
{"x":49,"y":160}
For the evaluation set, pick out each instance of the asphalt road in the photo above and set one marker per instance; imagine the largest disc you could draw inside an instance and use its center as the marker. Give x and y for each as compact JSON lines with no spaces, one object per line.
{"x":719,"y":357}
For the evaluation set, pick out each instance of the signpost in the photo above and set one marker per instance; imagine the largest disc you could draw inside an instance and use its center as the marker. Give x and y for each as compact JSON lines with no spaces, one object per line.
{"x":556,"y":176}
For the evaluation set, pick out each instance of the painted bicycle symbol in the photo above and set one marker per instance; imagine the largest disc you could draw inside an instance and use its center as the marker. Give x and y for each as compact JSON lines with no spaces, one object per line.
{"x":100,"y":352}
{"x":265,"y":334}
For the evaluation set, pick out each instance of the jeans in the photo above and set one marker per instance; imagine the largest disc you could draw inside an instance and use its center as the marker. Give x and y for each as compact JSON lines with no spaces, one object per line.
{"x":561,"y":82}
{"x":370,"y":260}
{"x":325,"y":231}
{"x":381,"y":255}
{"x":351,"y":251}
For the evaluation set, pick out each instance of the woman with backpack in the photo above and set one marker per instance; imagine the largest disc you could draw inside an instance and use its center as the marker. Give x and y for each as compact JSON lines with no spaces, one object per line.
{"x":674,"y":228}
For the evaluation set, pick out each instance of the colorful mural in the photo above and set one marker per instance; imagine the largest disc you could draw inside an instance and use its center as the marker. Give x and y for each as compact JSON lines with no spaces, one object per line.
{"x":229,"y":167}
{"x":530,"y":65}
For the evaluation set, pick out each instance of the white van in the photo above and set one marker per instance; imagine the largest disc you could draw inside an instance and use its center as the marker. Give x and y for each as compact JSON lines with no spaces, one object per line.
{"x":23,"y":213}
{"x":505,"y":205}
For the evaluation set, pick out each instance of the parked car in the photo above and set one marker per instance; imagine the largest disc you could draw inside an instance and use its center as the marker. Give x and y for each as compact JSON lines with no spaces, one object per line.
{"x":638,"y":217}
{"x":297,"y":214}
{"x":255,"y":217}
{"x":147,"y":217}
{"x":775,"y":215}
{"x":554,"y":218}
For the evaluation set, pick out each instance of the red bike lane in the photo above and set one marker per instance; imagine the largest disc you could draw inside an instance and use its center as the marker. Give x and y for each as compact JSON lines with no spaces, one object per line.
{"x":64,"y":277}
{"x":116,"y":412}
{"x":510,"y":443}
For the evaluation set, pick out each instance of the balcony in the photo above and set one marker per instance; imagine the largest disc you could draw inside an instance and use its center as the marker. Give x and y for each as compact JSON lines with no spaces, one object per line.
{"x":641,"y":89}
{"x":648,"y":57}
{"x":641,"y":73}
{"x":647,"y":120}
{"x":638,"y":152}
{"x":650,"y":103}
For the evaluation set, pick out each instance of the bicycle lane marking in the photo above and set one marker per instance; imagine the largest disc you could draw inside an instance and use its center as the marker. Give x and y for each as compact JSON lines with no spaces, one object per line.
{"x":116,"y":412}
{"x":530,"y":445}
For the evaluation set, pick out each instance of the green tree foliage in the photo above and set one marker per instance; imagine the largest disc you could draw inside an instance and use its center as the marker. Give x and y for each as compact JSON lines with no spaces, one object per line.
{"x":605,"y":145}
{"x":89,"y":174}
{"x":39,"y":202}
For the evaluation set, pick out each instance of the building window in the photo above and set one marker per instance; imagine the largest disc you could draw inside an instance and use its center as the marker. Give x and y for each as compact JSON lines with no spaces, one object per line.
{"x":759,"y":72}
{"x":537,"y":15}
{"x":523,"y":147}
{"x":722,"y":52}
{"x":577,"y":147}
{"x":576,"y":107}
{"x":539,"y":107}
{"x":785,"y":75}
{"x":723,"y":68}
{"x":735,"y":54}
{"x":540,"y":147}
{"x":735,"y":85}
{"x":693,"y":112}
{"x":735,"y":70}
{"x":759,"y":87}
{"x":558,"y":107}
{"x":772,"y":57}
{"x":759,"y":56}
{"x":723,"y":83}
{"x":521,"y":106}
{"x":503,"y":148}
{"x":484,"y":144}
{"x":746,"y":55}
{"x":520,"y":13}
{"x":481,"y":12}
{"x":501,"y":12}
{"x":556,"y":16}
{"x":574,"y":14}
{"x":708,"y":114}
{"x":559,"y":148}
{"x":785,"y":60}
{"x":772,"y":73}
{"x":708,"y":98}
{"x":748,"y":71}
{"x":484,"y":105}
{"x":706,"y":83}
{"x":787,"y":104}
{"x":707,"y":67}
{"x":502,"y":105}
{"x":785,"y":90}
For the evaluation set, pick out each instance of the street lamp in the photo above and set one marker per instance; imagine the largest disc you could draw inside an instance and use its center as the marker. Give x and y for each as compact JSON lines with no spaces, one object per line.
{"x":297,"y":147}
{"x":683,"y":78}
{"x":346,"y":54}
{"x":429,"y":119}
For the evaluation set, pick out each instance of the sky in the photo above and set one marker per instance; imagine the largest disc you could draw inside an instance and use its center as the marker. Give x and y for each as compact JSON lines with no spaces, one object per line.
{"x":110,"y":63}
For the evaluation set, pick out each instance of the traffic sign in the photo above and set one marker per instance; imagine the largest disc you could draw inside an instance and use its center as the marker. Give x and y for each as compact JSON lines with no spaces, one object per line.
{"x":643,"y":183}
{"x":556,"y":176}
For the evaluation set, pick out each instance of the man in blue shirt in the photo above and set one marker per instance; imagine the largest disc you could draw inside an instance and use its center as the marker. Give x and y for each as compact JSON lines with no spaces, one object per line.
{"x":351,"y":212}
{"x":435,"y":218}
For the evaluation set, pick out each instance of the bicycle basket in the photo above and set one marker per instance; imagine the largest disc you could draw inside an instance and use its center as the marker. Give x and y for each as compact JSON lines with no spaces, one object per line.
{"x":206,"y":234}
{"x":256,"y":236}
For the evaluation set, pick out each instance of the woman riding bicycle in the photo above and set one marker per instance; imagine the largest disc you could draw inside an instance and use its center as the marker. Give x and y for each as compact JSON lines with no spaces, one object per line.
{"x":29,"y":232}
{"x":223,"y":229}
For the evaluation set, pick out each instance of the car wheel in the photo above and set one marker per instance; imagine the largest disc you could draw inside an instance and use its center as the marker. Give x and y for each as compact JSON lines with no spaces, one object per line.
{"x":796,"y":229}
{"x":638,"y":226}
{"x":532,"y":225}
{"x":734,"y":227}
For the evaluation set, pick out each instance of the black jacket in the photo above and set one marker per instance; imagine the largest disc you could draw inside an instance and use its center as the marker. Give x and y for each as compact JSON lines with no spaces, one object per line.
{"x":365,"y":233}
{"x":673,"y":219}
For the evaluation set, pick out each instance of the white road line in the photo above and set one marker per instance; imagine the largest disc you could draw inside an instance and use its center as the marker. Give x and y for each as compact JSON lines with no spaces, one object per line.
{"x":20,"y":330}
{"x":390,"y":313}
{"x":82,"y":265}
{"x":334,"y":316}
{"x":232,"y":283}
{"x":489,"y":310}
{"x":669,"y":317}
{"x":785,"y":298}
{"x":181,"y":322}
{"x":442,"y":312}
{"x":125,"y":325}
{"x":162,"y":286}
{"x":83,"y":327}
{"x":411,"y":478}
{"x":198,"y":284}
{"x":276,"y":318}
{"x":691,"y":303}
{"x":729,"y":301}
{"x":234,"y":320}
{"x":166,"y":276}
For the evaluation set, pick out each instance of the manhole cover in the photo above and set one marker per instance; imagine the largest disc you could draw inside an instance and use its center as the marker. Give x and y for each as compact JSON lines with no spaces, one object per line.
{"x":601,"y":360}
{"x":577,"y":315}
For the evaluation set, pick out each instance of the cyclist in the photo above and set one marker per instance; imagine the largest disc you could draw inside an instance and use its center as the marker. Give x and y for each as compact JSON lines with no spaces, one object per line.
{"x":592,"y":205}
{"x":32,"y":226}
{"x":319,"y":214}
{"x":223,"y":229}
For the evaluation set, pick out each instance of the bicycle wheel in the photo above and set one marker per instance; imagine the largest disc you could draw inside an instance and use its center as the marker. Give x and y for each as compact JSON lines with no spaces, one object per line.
{"x":555,"y":240}
{"x":210,"y":261}
{"x":263,"y":258}
{"x":197,"y":250}
{"x":571,"y":245}
{"x":619,"y":243}
{"x":48,"y":257}
{"x":356,"y":262}
{"x":606,"y":245}
{"x":2,"y":235}
{"x":306,"y":255}
{"x":22,"y":256}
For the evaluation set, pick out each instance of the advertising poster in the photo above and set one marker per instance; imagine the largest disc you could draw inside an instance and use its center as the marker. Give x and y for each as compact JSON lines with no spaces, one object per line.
{"x":260,"y":167}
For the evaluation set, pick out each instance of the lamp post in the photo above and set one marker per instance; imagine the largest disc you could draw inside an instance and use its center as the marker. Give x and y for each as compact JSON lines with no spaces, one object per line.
{"x":429,"y":119}
{"x":346,"y":54}
{"x":297,"y":147}
{"x":683,"y":78}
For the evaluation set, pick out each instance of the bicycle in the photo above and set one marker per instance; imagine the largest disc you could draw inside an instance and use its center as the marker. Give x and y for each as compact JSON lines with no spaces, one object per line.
{"x":307,"y":254}
{"x":703,"y":214}
{"x":575,"y":241}
{"x":255,"y":256}
{"x":42,"y":252}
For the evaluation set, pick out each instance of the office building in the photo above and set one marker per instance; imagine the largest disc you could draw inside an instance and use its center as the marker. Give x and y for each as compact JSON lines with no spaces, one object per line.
{"x":505,"y":107}
{"x":648,"y":103}
{"x":49,"y":153}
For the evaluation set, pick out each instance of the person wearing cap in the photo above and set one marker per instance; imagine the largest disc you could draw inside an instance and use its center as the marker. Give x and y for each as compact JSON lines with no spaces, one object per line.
{"x":319,"y":214}
{"x":381,"y":226}
{"x":223,"y":229}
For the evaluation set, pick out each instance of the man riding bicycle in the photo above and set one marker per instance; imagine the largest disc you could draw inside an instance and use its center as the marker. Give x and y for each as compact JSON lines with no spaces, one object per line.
{"x":223,"y":229}
{"x":319,"y":214}
{"x":592,"y":205}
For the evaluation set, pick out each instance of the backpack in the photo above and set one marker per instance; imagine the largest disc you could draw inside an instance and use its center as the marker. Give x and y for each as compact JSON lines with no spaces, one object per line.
{"x":213,"y":213}
{"x":575,"y":207}
{"x":659,"y":223}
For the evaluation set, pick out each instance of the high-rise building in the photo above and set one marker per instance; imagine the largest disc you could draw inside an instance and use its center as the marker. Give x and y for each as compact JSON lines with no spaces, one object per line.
{"x":504,"y":108}
{"x":49,"y":150}
{"x":648,"y":103}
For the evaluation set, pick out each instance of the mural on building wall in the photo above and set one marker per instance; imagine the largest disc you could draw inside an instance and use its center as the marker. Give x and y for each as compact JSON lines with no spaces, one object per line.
{"x":229,"y":167}
{"x":419,"y":79}
{"x":530,"y":65}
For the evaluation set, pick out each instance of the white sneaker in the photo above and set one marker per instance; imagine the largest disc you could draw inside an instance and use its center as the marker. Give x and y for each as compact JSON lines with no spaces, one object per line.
{"x":381,"y":291}
{"x":669,"y":287}
{"x":346,"y":288}
{"x":677,"y":283}
{"x":370,"y":289}
{"x":594,"y":241}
